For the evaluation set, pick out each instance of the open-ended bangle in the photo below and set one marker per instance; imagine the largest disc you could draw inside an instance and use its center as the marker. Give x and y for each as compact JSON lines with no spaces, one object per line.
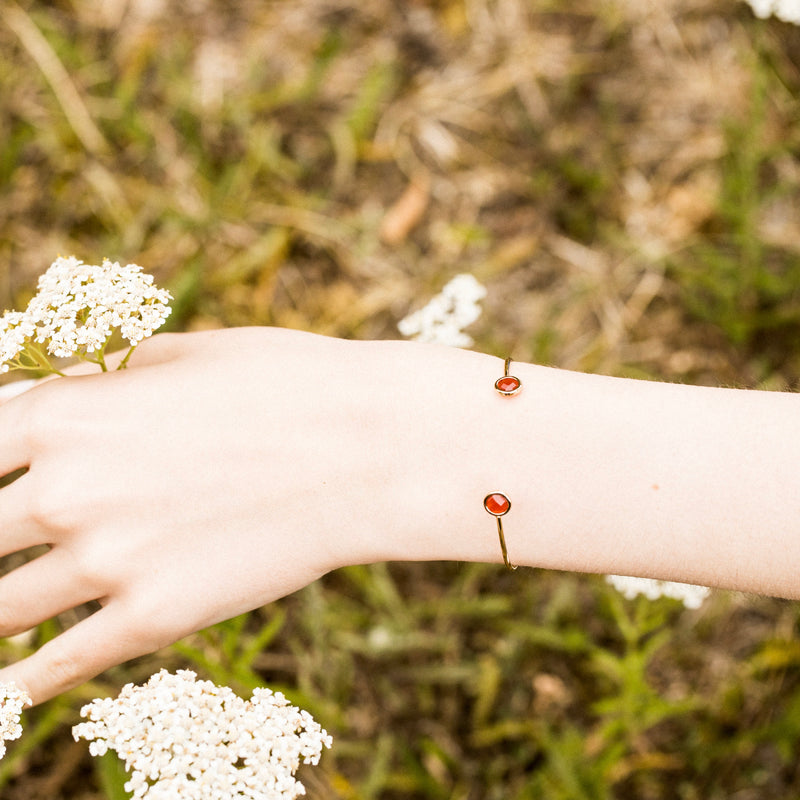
{"x":496,"y":503}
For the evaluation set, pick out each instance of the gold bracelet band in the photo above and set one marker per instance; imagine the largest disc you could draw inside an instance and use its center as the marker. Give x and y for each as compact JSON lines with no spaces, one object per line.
{"x":496,"y":503}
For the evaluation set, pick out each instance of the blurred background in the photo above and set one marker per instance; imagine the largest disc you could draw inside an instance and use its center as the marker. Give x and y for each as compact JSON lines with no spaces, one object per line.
{"x":623,"y":176}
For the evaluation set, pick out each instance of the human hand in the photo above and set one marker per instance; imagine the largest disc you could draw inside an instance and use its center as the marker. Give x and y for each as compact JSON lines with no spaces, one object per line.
{"x":219,"y":471}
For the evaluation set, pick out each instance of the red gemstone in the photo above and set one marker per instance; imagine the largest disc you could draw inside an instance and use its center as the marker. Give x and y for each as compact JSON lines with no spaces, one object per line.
{"x":507,"y":384}
{"x":497,"y":504}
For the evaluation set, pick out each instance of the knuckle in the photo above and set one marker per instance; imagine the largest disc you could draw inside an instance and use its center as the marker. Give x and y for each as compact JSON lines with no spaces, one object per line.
{"x":49,"y":503}
{"x":151,"y":627}
{"x":62,"y":671}
{"x":33,"y":422}
{"x":87,"y":573}
{"x":35,"y":509}
{"x":46,"y":413}
{"x":8,"y":623}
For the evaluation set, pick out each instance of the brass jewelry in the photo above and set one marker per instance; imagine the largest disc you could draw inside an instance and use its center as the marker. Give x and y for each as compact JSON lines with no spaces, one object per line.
{"x":508,"y":385}
{"x":496,"y":503}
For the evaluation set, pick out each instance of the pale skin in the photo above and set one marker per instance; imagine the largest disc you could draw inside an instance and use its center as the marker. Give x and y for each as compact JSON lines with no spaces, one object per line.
{"x":222,"y":470}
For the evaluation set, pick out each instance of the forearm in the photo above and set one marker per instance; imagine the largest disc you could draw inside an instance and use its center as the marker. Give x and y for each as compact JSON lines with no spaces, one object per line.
{"x":604,"y":474}
{"x":255,"y":460}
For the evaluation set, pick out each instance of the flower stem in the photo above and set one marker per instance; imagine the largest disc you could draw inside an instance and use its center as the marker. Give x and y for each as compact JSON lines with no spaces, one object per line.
{"x":34,"y":358}
{"x":101,"y":358}
{"x":124,"y":363}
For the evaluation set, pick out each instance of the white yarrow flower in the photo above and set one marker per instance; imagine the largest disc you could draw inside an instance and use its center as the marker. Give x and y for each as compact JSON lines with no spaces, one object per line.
{"x":690,"y":595}
{"x":12,"y":701}
{"x":784,"y":10}
{"x":75,"y":311}
{"x":185,"y":739}
{"x":15,"y":330}
{"x":442,"y":320}
{"x":79,"y":304}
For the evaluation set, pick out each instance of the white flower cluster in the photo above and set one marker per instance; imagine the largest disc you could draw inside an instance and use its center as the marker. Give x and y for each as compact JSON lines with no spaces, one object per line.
{"x":184,"y":739}
{"x":12,"y":701}
{"x":690,"y":595}
{"x":784,"y":10}
{"x":15,"y":330}
{"x":442,"y":320}
{"x":78,"y":305}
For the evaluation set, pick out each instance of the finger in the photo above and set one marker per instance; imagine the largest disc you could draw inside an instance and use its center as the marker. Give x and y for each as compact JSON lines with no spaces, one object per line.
{"x":23,"y":407}
{"x":19,"y":529}
{"x":77,"y":655}
{"x":16,"y":425}
{"x":41,"y":589}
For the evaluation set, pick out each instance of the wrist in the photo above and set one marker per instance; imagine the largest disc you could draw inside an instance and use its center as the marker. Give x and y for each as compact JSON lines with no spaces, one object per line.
{"x":432,"y":443}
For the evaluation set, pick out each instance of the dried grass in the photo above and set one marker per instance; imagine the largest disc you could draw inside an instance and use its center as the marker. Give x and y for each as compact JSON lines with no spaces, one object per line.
{"x":329,"y":165}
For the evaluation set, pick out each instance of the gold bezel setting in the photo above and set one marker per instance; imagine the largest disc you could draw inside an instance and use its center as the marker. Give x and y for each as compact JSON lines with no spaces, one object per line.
{"x":508,"y":385}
